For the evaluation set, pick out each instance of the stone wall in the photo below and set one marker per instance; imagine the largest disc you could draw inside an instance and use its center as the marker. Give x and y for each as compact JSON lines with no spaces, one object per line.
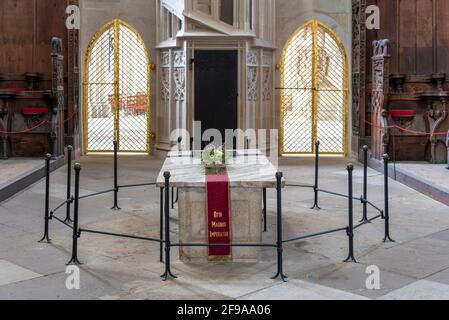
{"x":290,"y":15}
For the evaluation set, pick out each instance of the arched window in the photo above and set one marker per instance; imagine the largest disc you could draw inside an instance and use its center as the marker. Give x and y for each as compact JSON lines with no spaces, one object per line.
{"x":117,"y":90}
{"x":314,"y":92}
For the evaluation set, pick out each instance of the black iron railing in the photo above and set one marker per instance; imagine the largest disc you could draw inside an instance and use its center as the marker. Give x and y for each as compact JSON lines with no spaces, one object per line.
{"x":164,"y":240}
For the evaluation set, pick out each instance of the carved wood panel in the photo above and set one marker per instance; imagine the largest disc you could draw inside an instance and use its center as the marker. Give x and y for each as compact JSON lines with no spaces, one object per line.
{"x":358,"y":65}
{"x":27,"y":29}
{"x":380,"y":89}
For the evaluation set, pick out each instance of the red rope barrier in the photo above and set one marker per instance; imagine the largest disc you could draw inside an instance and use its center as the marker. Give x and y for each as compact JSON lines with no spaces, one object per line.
{"x":40,"y":124}
{"x":26,"y":130}
{"x":406,"y":130}
{"x":69,"y":118}
{"x":64,"y":121}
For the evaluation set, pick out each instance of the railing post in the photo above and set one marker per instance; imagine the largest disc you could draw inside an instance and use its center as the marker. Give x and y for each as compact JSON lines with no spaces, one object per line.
{"x":47,"y":199}
{"x":69,"y":183}
{"x":350,"y":230}
{"x":116,"y":187}
{"x":316,"y":185}
{"x":387,"y":204}
{"x":264,"y":198}
{"x":365,"y":185}
{"x":234,"y":147}
{"x":280,"y":248}
{"x":180,"y":150}
{"x":76,"y":231}
{"x":180,"y":145}
{"x":168,"y":272}
{"x":173,"y":189}
{"x":161,"y":232}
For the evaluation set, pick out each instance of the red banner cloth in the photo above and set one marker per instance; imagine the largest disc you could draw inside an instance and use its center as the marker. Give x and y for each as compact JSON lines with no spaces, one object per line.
{"x":404,"y":113}
{"x":34,"y":110}
{"x":14,"y":89}
{"x":218,"y":208}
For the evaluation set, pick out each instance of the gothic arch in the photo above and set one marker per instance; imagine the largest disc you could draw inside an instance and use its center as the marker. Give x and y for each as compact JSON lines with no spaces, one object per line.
{"x":116,"y":90}
{"x":314,"y":91}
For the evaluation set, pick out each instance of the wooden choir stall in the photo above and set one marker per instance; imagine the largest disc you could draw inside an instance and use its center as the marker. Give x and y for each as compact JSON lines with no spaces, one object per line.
{"x":409,"y":113}
{"x":32,"y":107}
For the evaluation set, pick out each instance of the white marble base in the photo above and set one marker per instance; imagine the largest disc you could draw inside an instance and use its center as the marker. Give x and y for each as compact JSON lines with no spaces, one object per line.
{"x":246,"y":219}
{"x":249,"y":172}
{"x":249,"y":169}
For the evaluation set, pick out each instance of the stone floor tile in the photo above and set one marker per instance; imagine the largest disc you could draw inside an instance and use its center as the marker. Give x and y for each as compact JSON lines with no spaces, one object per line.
{"x":408,"y":261}
{"x":12,"y":273}
{"x":301,"y":290}
{"x":351,"y":277}
{"x":420,"y":290}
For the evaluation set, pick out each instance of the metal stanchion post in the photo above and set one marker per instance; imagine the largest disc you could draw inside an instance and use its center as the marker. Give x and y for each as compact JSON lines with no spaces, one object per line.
{"x":168,"y":272}
{"x":47,"y":198}
{"x":180,"y":150}
{"x":316,"y":186}
{"x":180,"y":145}
{"x":350,"y":230}
{"x":116,"y":187}
{"x":280,"y":248}
{"x":161,"y":232}
{"x":76,"y":231}
{"x":264,"y":196}
{"x":234,"y":147}
{"x":387,"y":204}
{"x":365,"y":185}
{"x":173,"y":189}
{"x":69,"y":183}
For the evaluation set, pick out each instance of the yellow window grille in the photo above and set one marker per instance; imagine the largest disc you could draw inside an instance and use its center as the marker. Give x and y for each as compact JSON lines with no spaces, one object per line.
{"x":314,"y":92}
{"x":117,"y":90}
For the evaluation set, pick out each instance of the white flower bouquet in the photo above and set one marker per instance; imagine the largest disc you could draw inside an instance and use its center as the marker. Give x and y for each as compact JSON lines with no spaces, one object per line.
{"x":215,"y":158}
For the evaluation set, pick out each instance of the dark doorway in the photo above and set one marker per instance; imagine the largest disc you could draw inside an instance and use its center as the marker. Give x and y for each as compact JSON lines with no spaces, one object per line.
{"x":216,"y":90}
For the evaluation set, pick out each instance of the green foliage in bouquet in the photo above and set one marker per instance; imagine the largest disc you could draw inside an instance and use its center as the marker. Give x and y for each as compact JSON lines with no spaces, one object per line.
{"x":215,"y":158}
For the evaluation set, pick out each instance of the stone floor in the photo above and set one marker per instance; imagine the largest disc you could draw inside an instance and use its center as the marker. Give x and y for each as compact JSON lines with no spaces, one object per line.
{"x":431,"y":173}
{"x":414,"y":267}
{"x":14,"y":169}
{"x":18,"y":173}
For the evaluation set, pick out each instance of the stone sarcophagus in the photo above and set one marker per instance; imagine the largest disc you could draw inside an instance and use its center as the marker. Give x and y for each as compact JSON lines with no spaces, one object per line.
{"x":246,"y":223}
{"x":249,"y":172}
